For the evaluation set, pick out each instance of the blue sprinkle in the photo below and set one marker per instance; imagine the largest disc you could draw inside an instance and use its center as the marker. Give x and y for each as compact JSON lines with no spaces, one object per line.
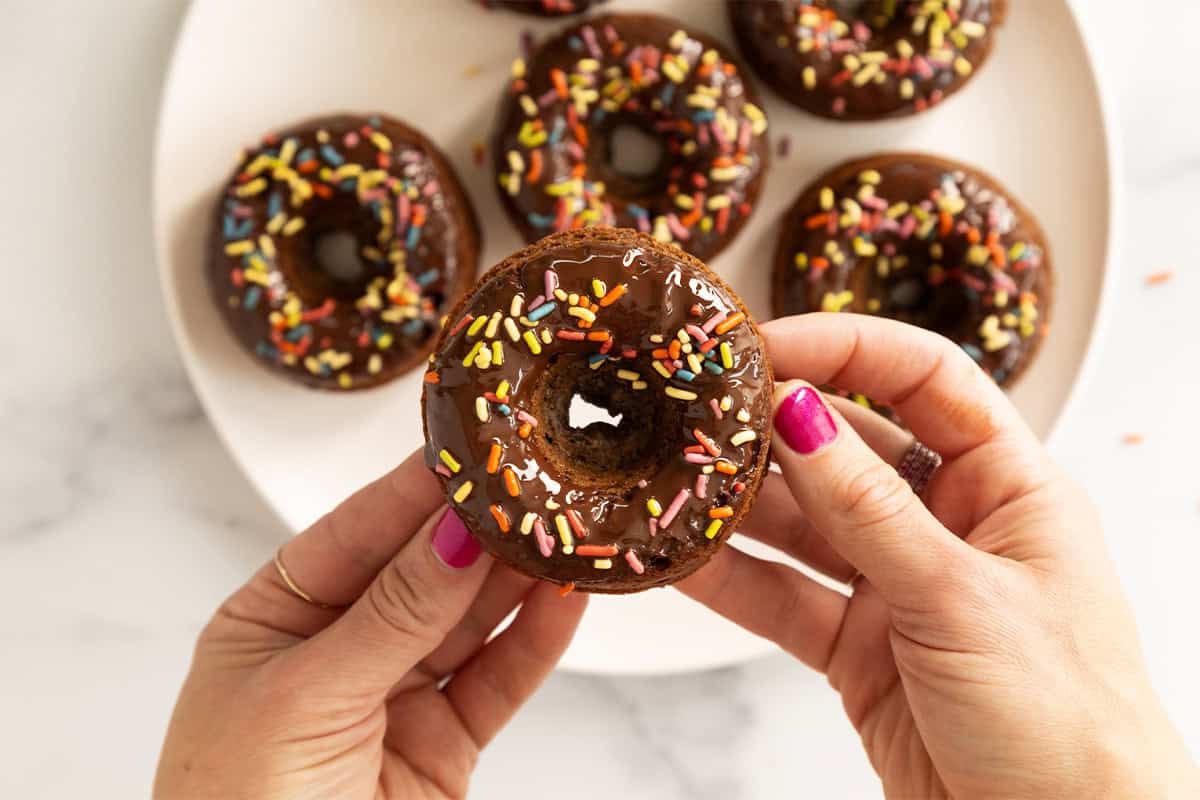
{"x":596,"y":358}
{"x":274,"y":204}
{"x":428,"y":277}
{"x":228,"y":226}
{"x":504,"y":409}
{"x":668,"y":94}
{"x":1000,"y":375}
{"x":637,"y":210}
{"x":307,"y":154}
{"x":266,"y":350}
{"x":560,"y":127}
{"x":348,"y":185}
{"x":541,"y":311}
{"x":685,"y":374}
{"x":598,"y":115}
{"x":251,"y":298}
{"x":374,"y":121}
{"x":973,"y":351}
{"x":414,"y":236}
{"x":332,"y":156}
{"x":703,"y":116}
{"x":413,"y":327}
{"x":540,"y":220}
{"x":711,"y":355}
{"x":575,"y":43}
{"x":714,"y":367}
{"x":297,"y":333}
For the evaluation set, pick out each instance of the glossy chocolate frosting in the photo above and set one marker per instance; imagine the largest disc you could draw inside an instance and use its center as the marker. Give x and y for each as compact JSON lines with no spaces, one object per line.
{"x":393,"y":191}
{"x":544,"y":8}
{"x":924,"y":240}
{"x":552,"y":149}
{"x":866,"y":59}
{"x":607,"y":508}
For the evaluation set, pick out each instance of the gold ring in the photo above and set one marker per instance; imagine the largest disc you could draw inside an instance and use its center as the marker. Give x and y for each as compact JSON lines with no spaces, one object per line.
{"x":296,"y":590}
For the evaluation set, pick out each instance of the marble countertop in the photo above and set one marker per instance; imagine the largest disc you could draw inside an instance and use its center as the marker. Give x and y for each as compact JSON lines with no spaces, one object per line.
{"x":123,"y":522}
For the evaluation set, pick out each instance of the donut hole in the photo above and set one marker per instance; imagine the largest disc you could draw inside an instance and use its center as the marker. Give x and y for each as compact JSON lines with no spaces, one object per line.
{"x":629,"y":157}
{"x":325,"y":259}
{"x":910,"y":298}
{"x":598,"y":429}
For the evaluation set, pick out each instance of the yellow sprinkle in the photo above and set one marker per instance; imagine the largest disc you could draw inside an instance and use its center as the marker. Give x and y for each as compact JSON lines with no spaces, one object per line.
{"x":602,"y":563}
{"x":639,"y":385}
{"x":583,"y":313}
{"x":726,"y":403}
{"x":560,"y":295}
{"x":713,"y":528}
{"x":275,"y":225}
{"x":527,"y":522}
{"x":514,"y":308}
{"x":252,"y":188}
{"x":239,"y":248}
{"x":742,"y":437}
{"x":492,"y":325}
{"x":654,"y":507}
{"x":449,"y":460}
{"x":293,"y":226}
{"x":599,"y":289}
{"x":385,"y":341}
{"x":498,"y":353}
{"x":344,"y":380}
{"x":627,"y":375}
{"x":518,"y":68}
{"x":726,"y":355}
{"x":743,"y":415}
{"x":528,"y":106}
{"x":962,"y":66}
{"x":502,"y":390}
{"x":481,"y":409}
{"x":810,"y":78}
{"x":477,"y":325}
{"x":564,"y":533}
{"x":680,"y":394}
{"x":463,"y":492}
{"x":474,"y":351}
{"x":382,"y":142}
{"x":546,"y":337}
{"x":660,"y":369}
{"x":510,"y":328}
{"x":694,"y":363}
{"x":532,"y":342}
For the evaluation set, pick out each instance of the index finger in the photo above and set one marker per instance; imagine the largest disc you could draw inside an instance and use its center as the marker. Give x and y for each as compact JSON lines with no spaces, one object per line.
{"x":940,"y":393}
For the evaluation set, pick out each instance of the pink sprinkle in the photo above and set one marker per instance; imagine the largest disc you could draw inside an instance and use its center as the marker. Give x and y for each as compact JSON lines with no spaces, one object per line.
{"x":716,"y":408}
{"x":744,"y":136}
{"x":548,"y":98}
{"x":545,"y":543}
{"x":403,"y":210}
{"x":701,"y":485}
{"x":719,"y":135}
{"x":839,"y":106}
{"x":441,"y":469}
{"x":535,"y":302}
{"x":642,"y":484}
{"x":634,"y":563}
{"x":673,"y":509}
{"x":551,"y":282}
{"x":431,"y":188}
{"x":643,"y":224}
{"x":698,"y":458}
{"x":713,"y":321}
{"x":241,"y":212}
{"x":677,"y":228}
{"x":908,"y":226}
{"x":653,"y":527}
{"x":696,"y":333}
{"x":351,"y":139}
{"x":589,"y":38}
{"x":525,"y":416}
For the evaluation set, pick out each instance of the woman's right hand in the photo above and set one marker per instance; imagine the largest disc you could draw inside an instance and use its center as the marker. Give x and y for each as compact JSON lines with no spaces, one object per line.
{"x":987,"y":650}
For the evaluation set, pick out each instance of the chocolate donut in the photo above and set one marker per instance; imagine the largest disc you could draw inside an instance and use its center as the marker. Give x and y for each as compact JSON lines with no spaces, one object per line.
{"x":543,"y":8}
{"x":417,"y":241}
{"x":623,"y":322}
{"x":924,"y":240}
{"x":554,"y":138}
{"x":866,"y":59}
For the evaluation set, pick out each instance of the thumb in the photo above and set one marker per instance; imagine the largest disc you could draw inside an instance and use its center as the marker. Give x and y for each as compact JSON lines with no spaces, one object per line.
{"x":407,"y":611}
{"x":858,"y":502}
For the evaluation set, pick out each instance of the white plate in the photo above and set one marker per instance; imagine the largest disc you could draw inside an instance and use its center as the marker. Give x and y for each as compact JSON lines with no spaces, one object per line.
{"x":1033,"y":117}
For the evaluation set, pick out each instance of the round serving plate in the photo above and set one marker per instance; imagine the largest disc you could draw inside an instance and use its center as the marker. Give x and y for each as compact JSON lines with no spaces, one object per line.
{"x":1034,"y":117}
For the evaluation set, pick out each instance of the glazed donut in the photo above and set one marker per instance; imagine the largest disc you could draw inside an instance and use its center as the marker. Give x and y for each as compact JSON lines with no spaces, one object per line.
{"x":624,"y":322}
{"x":927,"y":241}
{"x":866,"y":59}
{"x":553,"y":143}
{"x":543,"y":8}
{"x":417,"y":241}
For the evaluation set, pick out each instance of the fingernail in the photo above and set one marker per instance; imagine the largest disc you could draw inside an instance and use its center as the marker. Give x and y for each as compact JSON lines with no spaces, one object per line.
{"x":804,"y":422}
{"x":453,"y":544}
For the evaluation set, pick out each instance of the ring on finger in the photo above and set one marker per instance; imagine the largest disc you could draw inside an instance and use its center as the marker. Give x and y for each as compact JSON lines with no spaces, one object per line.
{"x":918,"y":466}
{"x":295,"y":589}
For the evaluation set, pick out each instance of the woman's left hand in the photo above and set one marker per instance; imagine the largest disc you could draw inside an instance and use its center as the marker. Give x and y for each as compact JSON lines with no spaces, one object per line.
{"x":392,"y":696}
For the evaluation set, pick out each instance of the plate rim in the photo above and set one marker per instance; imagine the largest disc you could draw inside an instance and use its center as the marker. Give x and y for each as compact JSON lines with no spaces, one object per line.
{"x":1101,"y":320}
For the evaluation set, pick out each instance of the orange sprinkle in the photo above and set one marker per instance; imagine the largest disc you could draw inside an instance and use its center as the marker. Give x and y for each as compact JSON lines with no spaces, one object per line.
{"x":635,"y":72}
{"x":500,"y":517}
{"x":432,"y":377}
{"x":596,"y":550}
{"x":559,"y":79}
{"x":576,"y":523}
{"x":1133,"y":438}
{"x":673,"y":348}
{"x":598,"y":336}
{"x":613,"y":295}
{"x":566,"y":589}
{"x":725,"y":467}
{"x":816,"y":221}
{"x":305,"y":167}
{"x":493,"y":462}
{"x":997,"y":254}
{"x":974,"y":236}
{"x":581,"y":135}
{"x":731,"y":323}
{"x":1156,"y":278}
{"x":723,"y":512}
{"x":524,"y":432}
{"x":707,"y":443}
{"x":579,"y":170}
{"x":820,"y":263}
{"x":689,"y":219}
{"x":322,"y":191}
{"x":510,"y":482}
{"x":535,"y":166}
{"x":946,"y":223}
{"x":660,"y":353}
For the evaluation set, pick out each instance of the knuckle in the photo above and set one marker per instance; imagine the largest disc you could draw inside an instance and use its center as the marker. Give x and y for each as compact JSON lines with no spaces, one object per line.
{"x":406,"y":603}
{"x":873,"y":496}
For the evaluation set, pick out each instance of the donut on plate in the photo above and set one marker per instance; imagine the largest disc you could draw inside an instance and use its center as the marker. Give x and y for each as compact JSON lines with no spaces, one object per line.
{"x":393,"y":198}
{"x":553,"y":146}
{"x":927,"y":241}
{"x":623,"y":322}
{"x":543,"y":8}
{"x":866,"y":59}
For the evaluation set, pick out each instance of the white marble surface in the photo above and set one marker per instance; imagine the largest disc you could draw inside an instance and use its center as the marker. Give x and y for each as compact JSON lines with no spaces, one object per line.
{"x":123,"y":522}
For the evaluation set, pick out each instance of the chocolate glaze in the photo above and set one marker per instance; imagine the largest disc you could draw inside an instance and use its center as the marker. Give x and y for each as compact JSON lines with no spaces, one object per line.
{"x":543,"y":8}
{"x":294,"y":187}
{"x":666,"y":290}
{"x":835,"y":41}
{"x":1010,"y":284}
{"x":614,"y":72}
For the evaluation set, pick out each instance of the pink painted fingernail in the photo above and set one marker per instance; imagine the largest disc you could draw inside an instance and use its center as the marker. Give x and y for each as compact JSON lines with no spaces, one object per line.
{"x":453,"y":543}
{"x":804,"y":422}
